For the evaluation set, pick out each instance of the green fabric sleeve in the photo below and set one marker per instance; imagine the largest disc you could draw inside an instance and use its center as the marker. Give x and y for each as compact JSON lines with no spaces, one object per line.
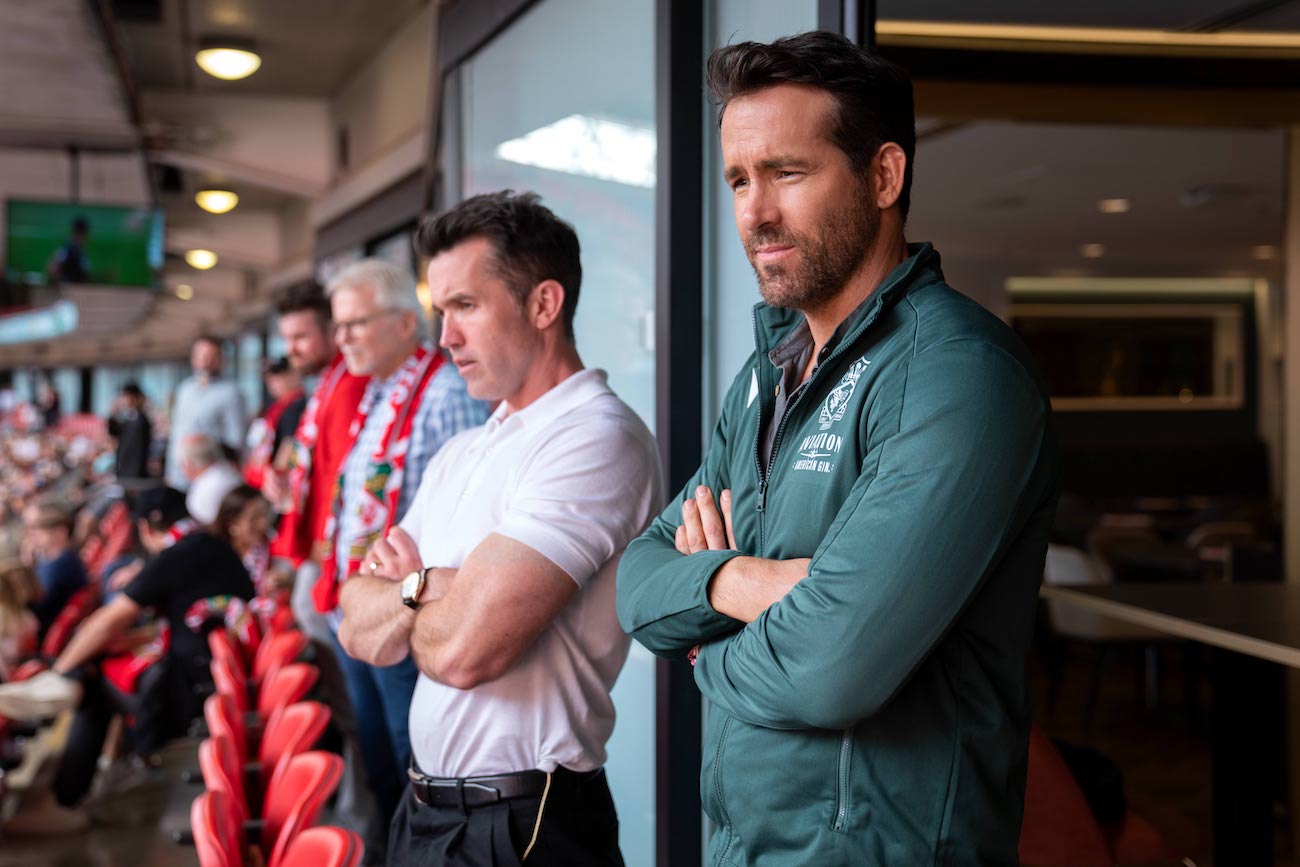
{"x":908,"y":549}
{"x":663,"y":599}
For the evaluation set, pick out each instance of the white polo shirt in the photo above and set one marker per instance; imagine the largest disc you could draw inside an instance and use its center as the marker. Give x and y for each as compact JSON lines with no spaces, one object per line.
{"x":574,"y":476}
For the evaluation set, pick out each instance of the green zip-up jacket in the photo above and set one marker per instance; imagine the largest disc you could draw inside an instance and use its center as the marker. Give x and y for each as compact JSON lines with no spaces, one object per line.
{"x":878,"y":714}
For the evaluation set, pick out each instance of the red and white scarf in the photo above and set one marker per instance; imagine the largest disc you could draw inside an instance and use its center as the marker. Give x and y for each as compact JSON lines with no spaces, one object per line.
{"x":180,"y":530}
{"x":292,"y":531}
{"x":385,"y":471}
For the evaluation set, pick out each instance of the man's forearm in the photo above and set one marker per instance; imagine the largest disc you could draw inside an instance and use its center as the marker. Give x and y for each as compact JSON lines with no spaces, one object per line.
{"x":429,"y":636}
{"x":745,"y":587}
{"x":376,"y":626}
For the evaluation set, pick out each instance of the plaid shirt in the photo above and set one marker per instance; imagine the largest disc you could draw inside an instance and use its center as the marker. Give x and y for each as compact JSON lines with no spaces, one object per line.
{"x":445,"y":410}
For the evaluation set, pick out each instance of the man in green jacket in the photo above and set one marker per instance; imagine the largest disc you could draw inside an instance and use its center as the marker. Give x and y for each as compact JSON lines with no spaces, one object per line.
{"x":854,"y":568}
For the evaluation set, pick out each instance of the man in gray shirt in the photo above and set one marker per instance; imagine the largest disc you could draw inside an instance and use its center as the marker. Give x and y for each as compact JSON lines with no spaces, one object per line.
{"x":204,"y":404}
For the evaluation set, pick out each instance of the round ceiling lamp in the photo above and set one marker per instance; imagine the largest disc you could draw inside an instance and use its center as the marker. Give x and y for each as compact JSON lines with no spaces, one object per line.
{"x":216,"y":201}
{"x":227,"y":59}
{"x":201,"y":259}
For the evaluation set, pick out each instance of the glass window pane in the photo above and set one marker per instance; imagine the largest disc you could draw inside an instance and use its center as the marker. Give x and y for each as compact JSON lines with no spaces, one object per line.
{"x":730,"y":284}
{"x":537,"y":118}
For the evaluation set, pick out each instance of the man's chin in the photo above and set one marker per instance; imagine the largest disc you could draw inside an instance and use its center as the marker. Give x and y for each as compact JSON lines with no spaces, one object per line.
{"x":354,"y":368}
{"x":778,"y":295}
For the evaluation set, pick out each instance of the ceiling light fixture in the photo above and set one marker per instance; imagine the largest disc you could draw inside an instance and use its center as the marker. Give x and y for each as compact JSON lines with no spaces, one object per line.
{"x":1114,"y":206}
{"x":201,"y":259}
{"x":227,"y":58}
{"x":1264,"y":252}
{"x":184,"y":292}
{"x":1093,"y":251}
{"x":216,"y":201}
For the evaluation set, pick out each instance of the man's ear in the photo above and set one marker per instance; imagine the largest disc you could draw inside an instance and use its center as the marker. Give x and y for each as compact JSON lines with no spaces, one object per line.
{"x":546,"y":304}
{"x":887,"y":180}
{"x":411,"y":326}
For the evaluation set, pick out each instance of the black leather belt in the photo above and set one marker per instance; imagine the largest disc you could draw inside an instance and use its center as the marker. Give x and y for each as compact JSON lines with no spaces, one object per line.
{"x":465,"y":792}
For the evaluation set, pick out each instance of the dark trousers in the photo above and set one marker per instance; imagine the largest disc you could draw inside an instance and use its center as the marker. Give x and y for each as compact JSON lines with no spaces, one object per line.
{"x":579,"y":828}
{"x":160,"y":710}
{"x":381,"y":703}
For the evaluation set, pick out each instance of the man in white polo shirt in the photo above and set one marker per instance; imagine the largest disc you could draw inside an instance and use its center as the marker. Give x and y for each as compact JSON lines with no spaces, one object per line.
{"x":499,"y":581}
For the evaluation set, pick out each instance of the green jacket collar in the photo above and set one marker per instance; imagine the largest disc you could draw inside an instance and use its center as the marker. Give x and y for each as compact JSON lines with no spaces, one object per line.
{"x":772,"y":324}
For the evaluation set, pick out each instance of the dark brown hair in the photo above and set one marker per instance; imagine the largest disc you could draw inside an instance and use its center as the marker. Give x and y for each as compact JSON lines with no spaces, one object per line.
{"x":18,"y":589}
{"x":232,"y":506}
{"x":53,"y":513}
{"x":873,"y":96}
{"x":529,"y":243}
{"x":305,"y":295}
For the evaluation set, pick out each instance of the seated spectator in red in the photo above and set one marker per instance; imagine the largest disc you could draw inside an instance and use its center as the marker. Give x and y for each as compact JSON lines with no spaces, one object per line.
{"x":59,"y":570}
{"x":18,"y":625}
{"x":200,"y":571}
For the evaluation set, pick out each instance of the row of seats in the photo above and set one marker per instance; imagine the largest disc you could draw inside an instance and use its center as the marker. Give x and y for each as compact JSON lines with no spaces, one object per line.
{"x":263,"y":810}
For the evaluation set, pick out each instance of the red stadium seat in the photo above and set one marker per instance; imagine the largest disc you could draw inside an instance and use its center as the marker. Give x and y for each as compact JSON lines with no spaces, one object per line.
{"x":285,"y":686}
{"x":324,"y":846}
{"x":291,"y":731}
{"x":28,"y":670}
{"x":223,"y":718}
{"x":298,"y":797}
{"x":216,"y":829}
{"x":222,"y":646}
{"x":1059,"y":829}
{"x":278,"y":650}
{"x":65,"y":623}
{"x":223,"y":771}
{"x":116,"y":533}
{"x":229,"y":679}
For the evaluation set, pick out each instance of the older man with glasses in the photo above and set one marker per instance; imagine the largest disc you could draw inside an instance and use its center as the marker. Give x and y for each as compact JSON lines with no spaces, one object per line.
{"x":414,"y":403}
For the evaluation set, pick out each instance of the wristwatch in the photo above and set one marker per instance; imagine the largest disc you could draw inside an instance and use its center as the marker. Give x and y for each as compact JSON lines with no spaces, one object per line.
{"x":412,"y":587}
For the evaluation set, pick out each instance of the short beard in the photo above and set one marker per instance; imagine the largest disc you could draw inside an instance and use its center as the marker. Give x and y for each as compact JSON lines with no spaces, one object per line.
{"x":828,"y":256}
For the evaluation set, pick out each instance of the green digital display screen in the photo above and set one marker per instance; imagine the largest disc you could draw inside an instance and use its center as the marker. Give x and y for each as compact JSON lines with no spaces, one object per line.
{"x":62,"y":242}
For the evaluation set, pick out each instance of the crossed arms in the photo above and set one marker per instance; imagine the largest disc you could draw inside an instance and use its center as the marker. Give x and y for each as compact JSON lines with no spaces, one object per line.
{"x":928,"y":519}
{"x":473,"y":622}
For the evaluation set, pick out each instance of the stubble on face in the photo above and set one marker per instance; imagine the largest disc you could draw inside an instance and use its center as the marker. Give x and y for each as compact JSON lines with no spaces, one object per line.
{"x":828,"y":255}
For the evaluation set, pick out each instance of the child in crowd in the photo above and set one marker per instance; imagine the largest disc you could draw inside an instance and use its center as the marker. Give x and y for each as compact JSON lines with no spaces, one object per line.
{"x":18,"y":625}
{"x":48,"y":525}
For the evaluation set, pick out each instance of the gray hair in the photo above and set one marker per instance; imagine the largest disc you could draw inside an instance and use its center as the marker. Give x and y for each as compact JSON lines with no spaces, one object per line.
{"x":200,"y":451}
{"x":394,"y":287}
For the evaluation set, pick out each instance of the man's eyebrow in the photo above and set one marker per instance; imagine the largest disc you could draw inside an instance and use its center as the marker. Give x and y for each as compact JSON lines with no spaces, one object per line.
{"x":458,"y":296}
{"x":782,"y":161}
{"x":779,"y":161}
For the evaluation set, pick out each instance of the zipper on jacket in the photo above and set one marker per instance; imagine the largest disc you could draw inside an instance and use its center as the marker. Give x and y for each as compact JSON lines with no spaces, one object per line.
{"x":846,"y":755}
{"x":765,"y":474}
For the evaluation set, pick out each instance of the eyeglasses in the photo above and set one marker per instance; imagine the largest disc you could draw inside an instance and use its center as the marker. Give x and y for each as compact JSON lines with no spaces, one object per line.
{"x":352,"y":326}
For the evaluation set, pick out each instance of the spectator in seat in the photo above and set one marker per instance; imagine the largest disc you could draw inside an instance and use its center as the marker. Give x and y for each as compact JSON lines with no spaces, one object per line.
{"x":18,"y":625}
{"x":210,"y":476}
{"x":199,"y":569}
{"x":59,"y":571}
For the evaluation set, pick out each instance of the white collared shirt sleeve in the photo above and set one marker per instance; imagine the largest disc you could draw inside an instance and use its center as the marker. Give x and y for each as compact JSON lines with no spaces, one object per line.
{"x":572,"y":503}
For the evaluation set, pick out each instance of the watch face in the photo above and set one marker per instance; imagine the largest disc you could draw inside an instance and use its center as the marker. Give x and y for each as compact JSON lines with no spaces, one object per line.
{"x":410,"y":585}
